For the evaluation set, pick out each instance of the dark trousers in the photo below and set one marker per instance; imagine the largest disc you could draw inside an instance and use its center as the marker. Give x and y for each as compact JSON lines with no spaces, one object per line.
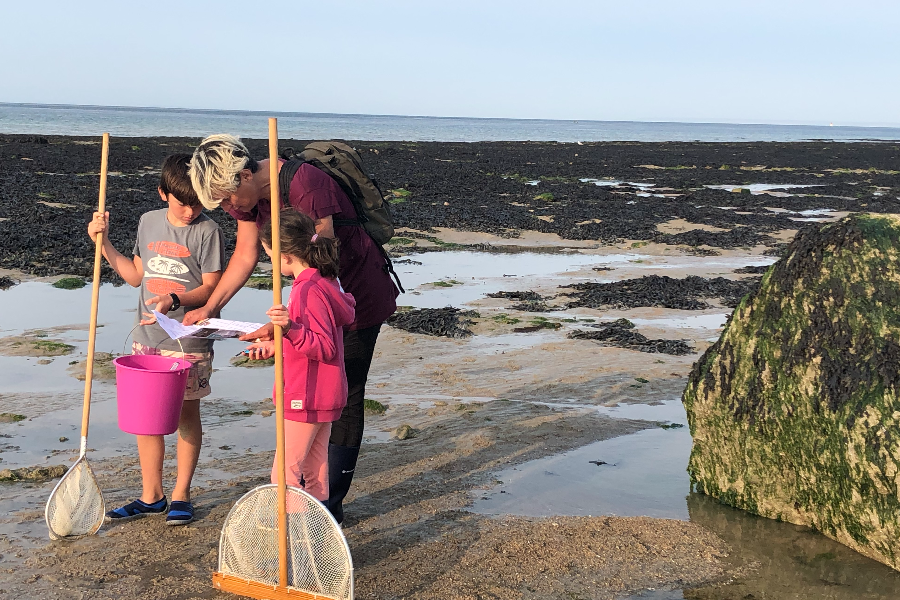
{"x":347,"y":432}
{"x":359,"y":346}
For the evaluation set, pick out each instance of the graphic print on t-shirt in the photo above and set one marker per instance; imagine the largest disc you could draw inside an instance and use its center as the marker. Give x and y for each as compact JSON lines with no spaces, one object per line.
{"x":169,"y":249}
{"x":162,"y":280}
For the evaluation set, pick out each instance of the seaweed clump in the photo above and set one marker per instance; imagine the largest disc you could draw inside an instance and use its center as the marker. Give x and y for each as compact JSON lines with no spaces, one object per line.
{"x":662,"y":291}
{"x":795,"y":411}
{"x":7,"y":282}
{"x":529,"y":301}
{"x":32,"y":474}
{"x":443,"y":322}
{"x":620,"y":333}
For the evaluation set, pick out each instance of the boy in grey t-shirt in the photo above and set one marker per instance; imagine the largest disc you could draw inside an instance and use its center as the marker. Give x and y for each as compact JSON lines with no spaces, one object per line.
{"x":178,"y":260}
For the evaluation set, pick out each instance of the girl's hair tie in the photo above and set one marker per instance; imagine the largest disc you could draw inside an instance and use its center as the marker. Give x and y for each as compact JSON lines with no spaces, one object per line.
{"x":314,"y":238}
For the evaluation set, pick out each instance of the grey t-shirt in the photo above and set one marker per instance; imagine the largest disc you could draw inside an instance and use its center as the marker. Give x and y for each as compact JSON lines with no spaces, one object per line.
{"x":174,"y":260}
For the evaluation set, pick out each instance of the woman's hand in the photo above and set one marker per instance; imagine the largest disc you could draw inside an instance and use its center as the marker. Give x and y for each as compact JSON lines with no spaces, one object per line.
{"x":99,"y":224}
{"x":260,"y":350}
{"x":266,"y":333}
{"x":201,"y":314}
{"x":278,"y":314}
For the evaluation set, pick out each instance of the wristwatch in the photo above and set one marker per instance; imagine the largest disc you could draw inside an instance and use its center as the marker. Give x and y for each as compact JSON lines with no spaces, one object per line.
{"x":176,"y":302}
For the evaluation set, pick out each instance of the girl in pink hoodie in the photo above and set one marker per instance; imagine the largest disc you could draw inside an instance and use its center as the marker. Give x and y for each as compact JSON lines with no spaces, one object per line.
{"x":315,"y":383}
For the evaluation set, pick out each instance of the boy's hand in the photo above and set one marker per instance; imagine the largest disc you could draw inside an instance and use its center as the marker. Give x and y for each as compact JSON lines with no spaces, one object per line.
{"x":99,"y":224}
{"x":260,"y":350}
{"x":265,"y":333}
{"x":163,"y":303}
{"x":278,"y":314}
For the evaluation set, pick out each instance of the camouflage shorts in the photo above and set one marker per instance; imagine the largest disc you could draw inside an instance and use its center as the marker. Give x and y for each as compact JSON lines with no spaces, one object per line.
{"x":198,"y":377}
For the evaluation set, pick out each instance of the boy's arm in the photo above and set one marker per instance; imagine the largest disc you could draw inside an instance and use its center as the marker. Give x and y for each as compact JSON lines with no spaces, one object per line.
{"x":130,"y":270}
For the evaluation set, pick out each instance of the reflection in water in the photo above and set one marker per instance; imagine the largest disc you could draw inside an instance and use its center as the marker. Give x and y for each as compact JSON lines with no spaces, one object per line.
{"x":793,"y":563}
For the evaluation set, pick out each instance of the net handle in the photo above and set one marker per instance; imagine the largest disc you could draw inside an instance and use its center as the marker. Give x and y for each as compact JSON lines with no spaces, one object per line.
{"x":95,"y":298}
{"x":275,"y":200}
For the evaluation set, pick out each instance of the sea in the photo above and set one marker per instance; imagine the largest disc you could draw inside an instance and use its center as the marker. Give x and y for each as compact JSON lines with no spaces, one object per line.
{"x":61,"y":119}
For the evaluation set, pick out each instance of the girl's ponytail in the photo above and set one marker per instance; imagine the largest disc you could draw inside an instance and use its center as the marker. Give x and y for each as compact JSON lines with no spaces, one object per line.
{"x":323,"y":255}
{"x":299,"y":238}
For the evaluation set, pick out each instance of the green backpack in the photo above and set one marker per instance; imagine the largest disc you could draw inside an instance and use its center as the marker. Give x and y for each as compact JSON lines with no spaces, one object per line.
{"x":344,"y":165}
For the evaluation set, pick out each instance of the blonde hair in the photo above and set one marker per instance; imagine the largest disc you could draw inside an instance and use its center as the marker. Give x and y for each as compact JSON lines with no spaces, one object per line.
{"x":216,"y":168}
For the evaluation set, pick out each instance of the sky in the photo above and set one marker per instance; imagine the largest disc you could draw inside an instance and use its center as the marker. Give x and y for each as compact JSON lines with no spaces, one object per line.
{"x":760,"y":61}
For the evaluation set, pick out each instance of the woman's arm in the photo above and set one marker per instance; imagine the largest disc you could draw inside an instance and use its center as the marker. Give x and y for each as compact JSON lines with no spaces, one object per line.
{"x":241,"y":265}
{"x":130,"y":270}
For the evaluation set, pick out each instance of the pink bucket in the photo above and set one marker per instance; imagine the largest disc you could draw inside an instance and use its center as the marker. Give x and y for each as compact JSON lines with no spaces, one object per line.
{"x":149,"y":392}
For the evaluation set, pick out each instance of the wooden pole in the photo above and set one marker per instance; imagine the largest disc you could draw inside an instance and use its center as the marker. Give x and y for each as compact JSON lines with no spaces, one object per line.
{"x":95,"y":299}
{"x":279,"y":357}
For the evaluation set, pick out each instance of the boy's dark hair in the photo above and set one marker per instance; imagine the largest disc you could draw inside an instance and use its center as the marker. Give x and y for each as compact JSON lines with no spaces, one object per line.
{"x":297,"y":231}
{"x":174,"y":179}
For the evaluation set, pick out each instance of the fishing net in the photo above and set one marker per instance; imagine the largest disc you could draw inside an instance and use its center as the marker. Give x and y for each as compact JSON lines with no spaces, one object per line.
{"x":75,"y":506}
{"x":318,"y":558}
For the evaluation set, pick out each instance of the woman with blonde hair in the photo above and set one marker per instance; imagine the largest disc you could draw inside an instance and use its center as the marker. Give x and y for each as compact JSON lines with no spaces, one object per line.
{"x":224,"y":174}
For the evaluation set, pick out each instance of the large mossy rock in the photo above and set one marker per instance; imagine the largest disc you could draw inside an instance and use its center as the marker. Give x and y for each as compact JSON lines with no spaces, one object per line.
{"x":795,"y":411}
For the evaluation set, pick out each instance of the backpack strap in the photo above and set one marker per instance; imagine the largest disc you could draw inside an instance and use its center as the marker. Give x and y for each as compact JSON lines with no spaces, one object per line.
{"x":286,"y":175}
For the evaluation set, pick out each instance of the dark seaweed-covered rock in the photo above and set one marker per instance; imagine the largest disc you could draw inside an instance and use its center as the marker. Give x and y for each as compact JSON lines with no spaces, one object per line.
{"x":444,"y":322}
{"x":622,"y":335}
{"x":483,"y":186}
{"x":795,"y":411}
{"x":527,"y":296}
{"x":753,"y":270}
{"x":660,"y":290}
{"x":7,"y":282}
{"x":735,"y":238}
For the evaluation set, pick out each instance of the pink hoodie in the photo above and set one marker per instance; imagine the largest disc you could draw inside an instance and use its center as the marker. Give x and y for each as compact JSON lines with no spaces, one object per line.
{"x":315,"y":382}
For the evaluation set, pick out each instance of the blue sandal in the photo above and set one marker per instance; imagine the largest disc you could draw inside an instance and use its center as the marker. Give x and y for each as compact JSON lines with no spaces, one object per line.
{"x":180,"y":513}
{"x":138,"y":509}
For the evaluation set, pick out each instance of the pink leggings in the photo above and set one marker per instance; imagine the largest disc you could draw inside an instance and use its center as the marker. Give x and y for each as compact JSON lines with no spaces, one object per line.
{"x":306,"y":457}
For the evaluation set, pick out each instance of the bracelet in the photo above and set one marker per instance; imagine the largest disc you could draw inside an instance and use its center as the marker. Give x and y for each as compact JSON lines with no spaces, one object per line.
{"x":176,"y":302}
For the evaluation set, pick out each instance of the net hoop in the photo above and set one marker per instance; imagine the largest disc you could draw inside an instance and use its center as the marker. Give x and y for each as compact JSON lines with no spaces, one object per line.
{"x":51,"y":501}
{"x":239,"y":513}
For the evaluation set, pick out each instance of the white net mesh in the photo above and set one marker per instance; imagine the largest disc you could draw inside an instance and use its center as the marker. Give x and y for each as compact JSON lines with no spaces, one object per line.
{"x":75,"y":506}
{"x":318,"y":559}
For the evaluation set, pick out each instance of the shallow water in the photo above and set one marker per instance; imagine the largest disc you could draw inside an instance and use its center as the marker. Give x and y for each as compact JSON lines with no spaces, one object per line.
{"x":645,"y":476}
{"x":472,"y":275}
{"x":760,"y":188}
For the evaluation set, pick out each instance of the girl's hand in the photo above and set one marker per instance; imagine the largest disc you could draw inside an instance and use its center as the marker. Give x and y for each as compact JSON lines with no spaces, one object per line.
{"x":265,"y":333}
{"x":278,"y":314}
{"x":99,"y":224}
{"x":260,"y":350}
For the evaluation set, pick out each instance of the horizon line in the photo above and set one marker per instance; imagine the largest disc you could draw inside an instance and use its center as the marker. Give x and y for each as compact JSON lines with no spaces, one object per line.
{"x":306,"y":113}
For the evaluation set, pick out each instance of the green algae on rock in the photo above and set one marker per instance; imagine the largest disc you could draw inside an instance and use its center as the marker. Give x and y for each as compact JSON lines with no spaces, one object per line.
{"x":795,"y":410}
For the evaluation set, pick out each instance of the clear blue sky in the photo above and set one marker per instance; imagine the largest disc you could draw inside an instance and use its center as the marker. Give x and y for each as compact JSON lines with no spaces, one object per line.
{"x":761,"y":61}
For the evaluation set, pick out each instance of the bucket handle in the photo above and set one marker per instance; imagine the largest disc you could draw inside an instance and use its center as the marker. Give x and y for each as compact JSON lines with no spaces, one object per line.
{"x":180,"y":345}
